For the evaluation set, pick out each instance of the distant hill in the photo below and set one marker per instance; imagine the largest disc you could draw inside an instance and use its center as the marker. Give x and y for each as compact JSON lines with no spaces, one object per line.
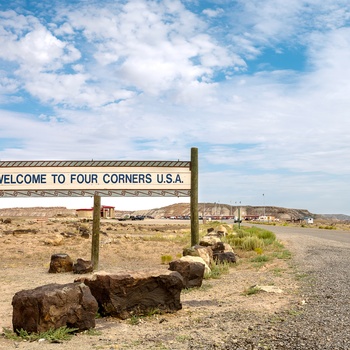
{"x":37,"y":212}
{"x":182,"y":209}
{"x":215,"y":209}
{"x":335,"y":217}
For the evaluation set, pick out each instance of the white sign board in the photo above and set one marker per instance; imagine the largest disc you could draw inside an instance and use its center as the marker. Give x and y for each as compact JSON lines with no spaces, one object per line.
{"x":86,"y":180}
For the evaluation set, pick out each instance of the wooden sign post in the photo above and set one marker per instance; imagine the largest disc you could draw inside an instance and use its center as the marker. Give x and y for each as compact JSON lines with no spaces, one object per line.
{"x":95,"y":243}
{"x":194,"y":197}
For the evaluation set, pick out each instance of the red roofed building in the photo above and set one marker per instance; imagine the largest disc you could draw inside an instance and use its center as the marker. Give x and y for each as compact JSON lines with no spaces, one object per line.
{"x":106,"y":212}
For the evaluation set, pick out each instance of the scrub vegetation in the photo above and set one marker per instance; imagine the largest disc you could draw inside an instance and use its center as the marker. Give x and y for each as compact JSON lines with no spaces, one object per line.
{"x":139,"y":246}
{"x":52,"y":335}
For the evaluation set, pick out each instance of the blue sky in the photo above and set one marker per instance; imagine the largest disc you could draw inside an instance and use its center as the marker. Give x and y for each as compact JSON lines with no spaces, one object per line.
{"x":260,"y":87}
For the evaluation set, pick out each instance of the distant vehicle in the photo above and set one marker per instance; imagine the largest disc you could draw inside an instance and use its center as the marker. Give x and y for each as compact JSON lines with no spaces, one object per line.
{"x":137,"y":217}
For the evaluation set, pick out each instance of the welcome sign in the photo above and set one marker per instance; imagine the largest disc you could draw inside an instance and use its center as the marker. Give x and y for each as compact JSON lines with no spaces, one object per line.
{"x":89,"y":178}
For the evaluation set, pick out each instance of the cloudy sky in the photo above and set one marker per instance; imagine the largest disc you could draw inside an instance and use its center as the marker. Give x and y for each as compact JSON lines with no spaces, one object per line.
{"x":262,"y":88}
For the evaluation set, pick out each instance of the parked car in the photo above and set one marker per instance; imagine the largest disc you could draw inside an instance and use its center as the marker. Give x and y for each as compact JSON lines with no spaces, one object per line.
{"x":137,"y":217}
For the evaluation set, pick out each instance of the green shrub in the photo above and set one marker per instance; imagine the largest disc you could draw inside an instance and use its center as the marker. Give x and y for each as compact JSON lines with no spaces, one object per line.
{"x":266,"y":235}
{"x":268,"y":241}
{"x":251,"y":238}
{"x":217,"y":269}
{"x":52,"y":335}
{"x":166,"y":259}
{"x":252,"y":290}
{"x":252,"y":243}
{"x":328,"y":227}
{"x":277,"y":245}
{"x":284,"y":254}
{"x":261,"y":233}
{"x":241,"y":233}
{"x":258,"y":251}
{"x":235,"y":241}
{"x":134,"y":320}
{"x":260,"y":258}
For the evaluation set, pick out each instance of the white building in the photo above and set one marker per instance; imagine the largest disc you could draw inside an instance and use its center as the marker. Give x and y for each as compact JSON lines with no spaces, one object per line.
{"x":309,"y":220}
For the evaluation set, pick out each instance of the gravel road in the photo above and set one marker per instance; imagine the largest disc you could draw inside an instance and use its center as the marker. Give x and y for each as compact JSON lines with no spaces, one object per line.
{"x":322,"y":257}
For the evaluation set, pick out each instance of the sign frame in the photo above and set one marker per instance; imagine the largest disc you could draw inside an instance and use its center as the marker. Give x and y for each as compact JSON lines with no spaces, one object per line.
{"x":89,"y":178}
{"x":185,"y":184}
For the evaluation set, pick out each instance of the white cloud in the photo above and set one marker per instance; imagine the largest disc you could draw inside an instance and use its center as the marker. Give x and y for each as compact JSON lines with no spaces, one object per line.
{"x":37,"y":50}
{"x":213,"y":13}
{"x":148,"y":79}
{"x":150,"y":48}
{"x":8,"y":86}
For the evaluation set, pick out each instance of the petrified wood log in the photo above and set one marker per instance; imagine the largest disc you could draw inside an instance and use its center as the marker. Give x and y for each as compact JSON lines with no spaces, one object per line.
{"x":82,"y":266}
{"x":60,"y":263}
{"x":53,"y":306}
{"x":123,"y":295}
{"x":191,"y":271}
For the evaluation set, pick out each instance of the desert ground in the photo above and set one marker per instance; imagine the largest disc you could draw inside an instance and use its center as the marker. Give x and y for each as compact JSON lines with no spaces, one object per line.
{"x":211,"y":314}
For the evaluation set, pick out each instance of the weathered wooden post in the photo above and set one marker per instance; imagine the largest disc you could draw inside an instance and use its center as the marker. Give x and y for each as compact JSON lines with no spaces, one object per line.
{"x":194,"y":197}
{"x":95,"y":247}
{"x":239,"y":217}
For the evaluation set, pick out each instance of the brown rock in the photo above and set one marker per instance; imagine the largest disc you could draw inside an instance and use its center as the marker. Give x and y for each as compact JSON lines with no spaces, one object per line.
{"x":60,"y":263}
{"x":82,"y":266}
{"x":221,"y":231}
{"x":24,"y":231}
{"x":206,"y":253}
{"x":121,"y":295}
{"x":218,"y":247}
{"x":55,"y":241}
{"x":221,"y":257}
{"x":54,"y":306}
{"x":192,"y":272}
{"x":189,"y":258}
{"x":208,"y":241}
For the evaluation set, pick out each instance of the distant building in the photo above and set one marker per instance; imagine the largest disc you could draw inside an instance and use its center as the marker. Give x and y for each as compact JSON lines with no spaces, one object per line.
{"x":267,"y":218}
{"x":251,"y":217}
{"x":308,"y":219}
{"x":107,"y":212}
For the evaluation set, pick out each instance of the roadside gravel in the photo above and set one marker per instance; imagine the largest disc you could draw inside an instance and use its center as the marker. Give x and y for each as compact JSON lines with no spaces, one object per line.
{"x":324,"y":320}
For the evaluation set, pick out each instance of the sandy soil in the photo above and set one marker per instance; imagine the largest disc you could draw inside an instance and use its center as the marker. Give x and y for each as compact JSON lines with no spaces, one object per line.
{"x":210,"y":315}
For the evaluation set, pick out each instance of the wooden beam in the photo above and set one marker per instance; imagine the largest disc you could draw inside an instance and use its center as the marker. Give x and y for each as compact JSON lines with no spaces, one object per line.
{"x":194,"y":197}
{"x":95,"y":244}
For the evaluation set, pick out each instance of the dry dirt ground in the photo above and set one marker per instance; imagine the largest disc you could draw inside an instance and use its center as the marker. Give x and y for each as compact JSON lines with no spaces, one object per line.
{"x":210,"y":315}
